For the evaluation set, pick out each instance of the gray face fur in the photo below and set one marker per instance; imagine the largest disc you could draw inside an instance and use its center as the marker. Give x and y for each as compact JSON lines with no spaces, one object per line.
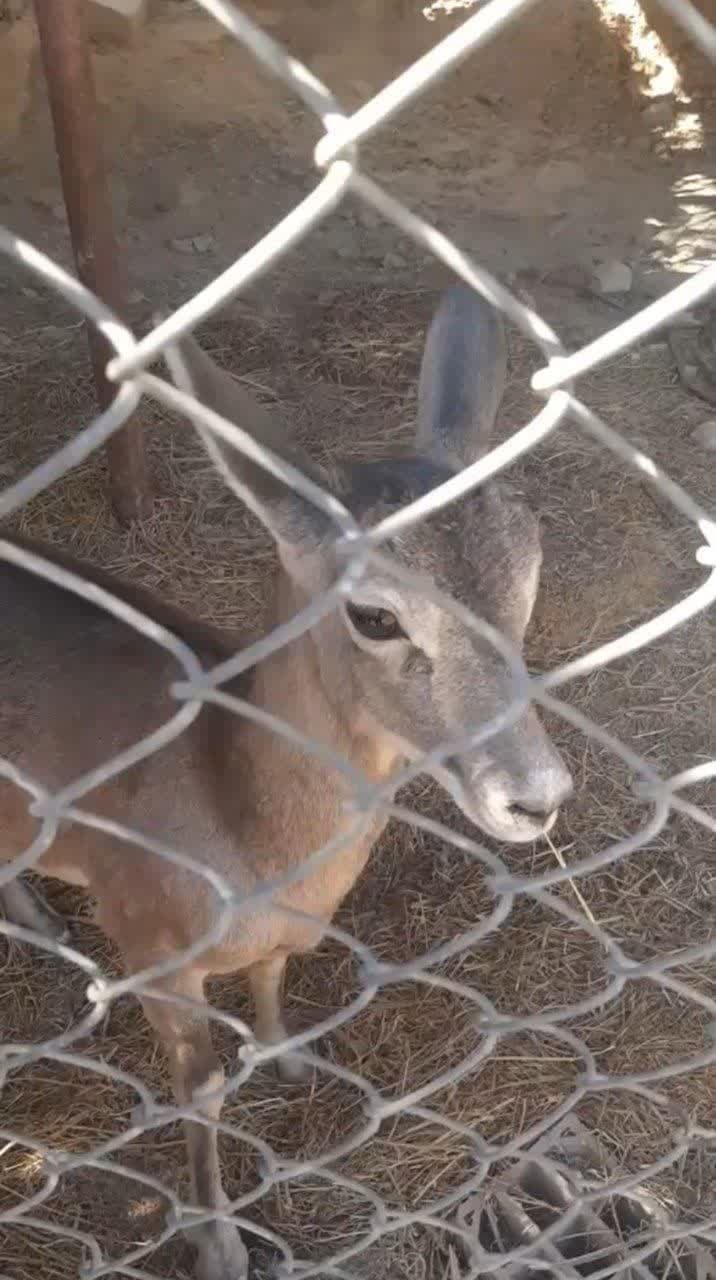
{"x":440,"y":680}
{"x":435,"y":679}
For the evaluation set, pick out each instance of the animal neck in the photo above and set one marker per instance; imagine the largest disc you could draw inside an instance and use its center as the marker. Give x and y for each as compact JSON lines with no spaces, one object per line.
{"x":284,"y":800}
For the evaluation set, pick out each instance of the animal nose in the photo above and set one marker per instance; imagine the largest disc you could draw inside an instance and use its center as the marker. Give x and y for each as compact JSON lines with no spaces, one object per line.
{"x":530,"y":811}
{"x":545,"y":794}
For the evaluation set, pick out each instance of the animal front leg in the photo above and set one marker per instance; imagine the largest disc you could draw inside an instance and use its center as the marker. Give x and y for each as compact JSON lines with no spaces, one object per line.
{"x":266,"y":980}
{"x":198,"y":1080}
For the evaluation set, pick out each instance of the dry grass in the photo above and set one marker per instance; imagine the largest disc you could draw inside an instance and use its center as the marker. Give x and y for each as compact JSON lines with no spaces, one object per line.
{"x":345,"y":375}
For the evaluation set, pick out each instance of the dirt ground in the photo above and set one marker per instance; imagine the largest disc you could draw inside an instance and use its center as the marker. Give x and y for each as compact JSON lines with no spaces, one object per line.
{"x":544,"y":157}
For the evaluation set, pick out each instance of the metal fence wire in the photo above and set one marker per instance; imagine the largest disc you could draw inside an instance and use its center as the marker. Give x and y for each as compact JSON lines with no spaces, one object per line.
{"x":337,"y":158}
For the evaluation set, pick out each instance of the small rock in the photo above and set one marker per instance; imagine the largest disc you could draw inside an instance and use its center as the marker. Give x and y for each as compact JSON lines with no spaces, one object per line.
{"x":193,"y":244}
{"x":327,"y":297}
{"x":117,"y":22}
{"x":58,"y":211}
{"x":659,"y":113}
{"x":31,"y":293}
{"x":613,"y":277}
{"x":136,"y":296}
{"x":127,"y":7}
{"x":394,"y":261}
{"x":705,"y":435}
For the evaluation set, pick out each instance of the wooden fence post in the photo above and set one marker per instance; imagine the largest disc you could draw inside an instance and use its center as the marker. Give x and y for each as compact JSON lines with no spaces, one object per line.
{"x":64,"y":44}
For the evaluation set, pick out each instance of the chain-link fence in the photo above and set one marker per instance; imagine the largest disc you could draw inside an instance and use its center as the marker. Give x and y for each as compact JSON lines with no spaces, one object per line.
{"x":567,"y":1235}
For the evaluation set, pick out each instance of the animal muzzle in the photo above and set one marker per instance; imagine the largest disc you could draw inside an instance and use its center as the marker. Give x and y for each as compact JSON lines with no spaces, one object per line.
{"x":515,"y":785}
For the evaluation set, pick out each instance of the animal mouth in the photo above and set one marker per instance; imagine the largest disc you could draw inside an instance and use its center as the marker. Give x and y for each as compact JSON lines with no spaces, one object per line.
{"x":512,"y":823}
{"x":539,"y":823}
{"x":542,"y":821}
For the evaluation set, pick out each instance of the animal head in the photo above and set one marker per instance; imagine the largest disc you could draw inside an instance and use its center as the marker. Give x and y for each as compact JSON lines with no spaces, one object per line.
{"x":396,"y":663}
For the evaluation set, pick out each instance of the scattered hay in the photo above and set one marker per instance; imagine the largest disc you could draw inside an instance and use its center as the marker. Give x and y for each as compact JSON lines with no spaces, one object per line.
{"x":344,"y":377}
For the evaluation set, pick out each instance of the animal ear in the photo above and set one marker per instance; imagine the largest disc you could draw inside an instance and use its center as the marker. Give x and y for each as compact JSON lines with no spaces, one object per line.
{"x":289,"y":517}
{"x":462,"y":377}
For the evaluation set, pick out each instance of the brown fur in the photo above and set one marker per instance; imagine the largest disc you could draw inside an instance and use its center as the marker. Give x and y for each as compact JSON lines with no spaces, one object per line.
{"x":77,"y":686}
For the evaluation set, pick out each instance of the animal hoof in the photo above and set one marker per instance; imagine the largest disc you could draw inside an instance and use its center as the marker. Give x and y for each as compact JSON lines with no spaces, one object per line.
{"x":57,"y":928}
{"x":293,"y":1070}
{"x":221,"y":1253}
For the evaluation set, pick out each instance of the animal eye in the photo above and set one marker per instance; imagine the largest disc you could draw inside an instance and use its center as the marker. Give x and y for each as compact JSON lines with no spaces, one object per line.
{"x":374,"y":624}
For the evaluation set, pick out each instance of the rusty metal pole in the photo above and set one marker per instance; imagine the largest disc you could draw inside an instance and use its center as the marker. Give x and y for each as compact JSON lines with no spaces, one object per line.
{"x":70,"y":85}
